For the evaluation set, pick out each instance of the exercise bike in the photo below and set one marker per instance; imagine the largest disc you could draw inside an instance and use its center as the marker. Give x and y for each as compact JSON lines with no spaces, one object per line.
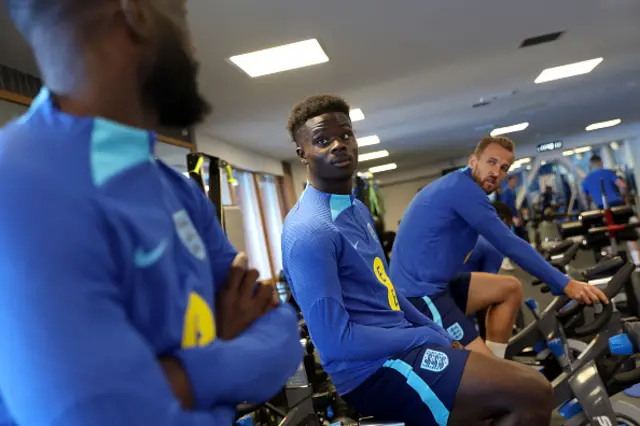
{"x":529,"y":346}
{"x":580,"y":389}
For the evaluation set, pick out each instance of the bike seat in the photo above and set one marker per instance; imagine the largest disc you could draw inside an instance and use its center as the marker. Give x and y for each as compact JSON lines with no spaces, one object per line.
{"x":560,"y":248}
{"x":604,"y":268}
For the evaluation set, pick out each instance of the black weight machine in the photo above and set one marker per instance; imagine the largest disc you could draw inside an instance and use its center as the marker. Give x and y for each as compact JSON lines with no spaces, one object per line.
{"x":195,"y":163}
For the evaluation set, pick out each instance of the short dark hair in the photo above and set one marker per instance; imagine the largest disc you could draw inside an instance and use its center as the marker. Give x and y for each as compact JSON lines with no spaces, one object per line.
{"x":503,"y":210}
{"x":506,"y":143}
{"x":595,"y":159}
{"x":314,"y":106}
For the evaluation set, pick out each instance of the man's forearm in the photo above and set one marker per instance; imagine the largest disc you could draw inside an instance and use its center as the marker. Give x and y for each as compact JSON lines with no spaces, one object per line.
{"x":251,"y":367}
{"x":179,"y":381}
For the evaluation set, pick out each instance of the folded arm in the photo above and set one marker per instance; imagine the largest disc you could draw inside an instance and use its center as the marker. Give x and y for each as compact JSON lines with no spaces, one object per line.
{"x":255,"y":365}
{"x":252,"y":367}
{"x":75,"y":359}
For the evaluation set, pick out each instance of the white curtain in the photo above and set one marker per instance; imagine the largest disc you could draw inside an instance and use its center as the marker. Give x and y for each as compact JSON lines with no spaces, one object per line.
{"x":254,"y":234}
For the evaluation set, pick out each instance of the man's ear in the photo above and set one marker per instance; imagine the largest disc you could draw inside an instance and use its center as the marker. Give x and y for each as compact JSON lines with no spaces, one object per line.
{"x":473,"y":161}
{"x":302,"y":155}
{"x":138,"y":15}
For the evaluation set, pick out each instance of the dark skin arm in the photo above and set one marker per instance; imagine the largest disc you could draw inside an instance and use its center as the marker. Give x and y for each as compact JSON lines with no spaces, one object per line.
{"x":238,"y":305}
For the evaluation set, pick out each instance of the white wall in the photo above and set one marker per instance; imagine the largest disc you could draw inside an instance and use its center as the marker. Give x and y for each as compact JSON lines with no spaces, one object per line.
{"x":9,"y":111}
{"x":396,"y":198}
{"x":299,"y":172}
{"x":240,"y":157}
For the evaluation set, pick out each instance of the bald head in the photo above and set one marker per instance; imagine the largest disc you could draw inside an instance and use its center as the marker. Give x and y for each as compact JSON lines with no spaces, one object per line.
{"x":140,"y":47}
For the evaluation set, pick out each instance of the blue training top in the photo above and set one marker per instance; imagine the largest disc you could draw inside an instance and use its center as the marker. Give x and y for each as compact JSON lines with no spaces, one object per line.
{"x":591,"y":186}
{"x":336,"y":268}
{"x":111,"y":259}
{"x":439,"y":230}
{"x":509,"y":198}
{"x":484,"y":258}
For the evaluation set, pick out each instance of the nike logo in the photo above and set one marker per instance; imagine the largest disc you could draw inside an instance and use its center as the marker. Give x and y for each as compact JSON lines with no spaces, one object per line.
{"x":144,"y":259}
{"x":355,"y":246}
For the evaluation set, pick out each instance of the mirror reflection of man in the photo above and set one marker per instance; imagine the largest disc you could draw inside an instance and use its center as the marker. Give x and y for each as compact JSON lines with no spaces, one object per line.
{"x":615,"y":187}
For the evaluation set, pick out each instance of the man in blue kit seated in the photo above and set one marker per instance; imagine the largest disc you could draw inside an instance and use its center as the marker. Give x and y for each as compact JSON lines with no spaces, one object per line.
{"x":436,"y":237}
{"x":485,"y":258}
{"x":121,"y":300}
{"x":385,"y":358}
{"x":614,"y":186}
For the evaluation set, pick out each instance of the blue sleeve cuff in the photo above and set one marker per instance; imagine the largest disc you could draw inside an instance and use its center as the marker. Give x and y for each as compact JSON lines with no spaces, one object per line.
{"x":196,"y":362}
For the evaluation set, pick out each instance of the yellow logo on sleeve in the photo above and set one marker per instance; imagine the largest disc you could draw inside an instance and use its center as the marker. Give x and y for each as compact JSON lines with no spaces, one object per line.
{"x":381,"y":275}
{"x":199,"y":325}
{"x":466,"y":259}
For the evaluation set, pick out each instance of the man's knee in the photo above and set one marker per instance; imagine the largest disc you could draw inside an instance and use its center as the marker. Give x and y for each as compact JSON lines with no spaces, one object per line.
{"x":513,"y":290}
{"x":538,"y":391}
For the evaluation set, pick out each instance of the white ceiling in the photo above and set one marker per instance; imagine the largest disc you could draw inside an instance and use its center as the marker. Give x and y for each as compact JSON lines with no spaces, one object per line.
{"x":415,"y":67}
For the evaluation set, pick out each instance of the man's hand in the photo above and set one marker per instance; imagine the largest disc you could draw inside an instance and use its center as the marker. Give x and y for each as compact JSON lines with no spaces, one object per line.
{"x":457,"y":345}
{"x":585,"y":293}
{"x":242,"y":300}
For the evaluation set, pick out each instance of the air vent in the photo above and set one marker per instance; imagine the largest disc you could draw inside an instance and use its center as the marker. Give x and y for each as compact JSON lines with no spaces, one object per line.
{"x":541,"y":39}
{"x":481,"y":103}
{"x":486,"y":100}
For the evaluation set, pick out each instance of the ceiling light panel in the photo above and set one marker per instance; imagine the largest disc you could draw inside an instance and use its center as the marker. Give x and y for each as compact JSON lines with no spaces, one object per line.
{"x":368,"y":140}
{"x":383,"y":168}
{"x":356,"y":115}
{"x":569,"y":70}
{"x":603,"y":125}
{"x":373,"y":155}
{"x":281,"y":58}
{"x":509,"y":129}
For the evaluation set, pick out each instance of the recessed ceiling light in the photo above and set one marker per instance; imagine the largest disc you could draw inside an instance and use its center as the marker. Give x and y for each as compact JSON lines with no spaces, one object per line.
{"x":281,"y":58}
{"x":568,"y":153}
{"x":615,"y":145}
{"x":368,"y":140}
{"x":542,"y":163}
{"x":569,"y":70}
{"x":383,"y":168}
{"x":583,"y":149}
{"x":373,"y":155}
{"x":356,"y":115}
{"x":509,"y":129}
{"x":603,"y":125}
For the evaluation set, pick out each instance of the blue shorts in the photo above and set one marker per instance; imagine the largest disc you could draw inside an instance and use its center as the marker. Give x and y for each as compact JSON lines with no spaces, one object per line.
{"x":448,"y":308}
{"x":418,"y":387}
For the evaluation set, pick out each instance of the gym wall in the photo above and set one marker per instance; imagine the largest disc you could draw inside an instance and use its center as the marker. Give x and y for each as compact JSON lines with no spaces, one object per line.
{"x":397,"y":198}
{"x":238,"y":157}
{"x":9,"y":111}
{"x":299,"y":174}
